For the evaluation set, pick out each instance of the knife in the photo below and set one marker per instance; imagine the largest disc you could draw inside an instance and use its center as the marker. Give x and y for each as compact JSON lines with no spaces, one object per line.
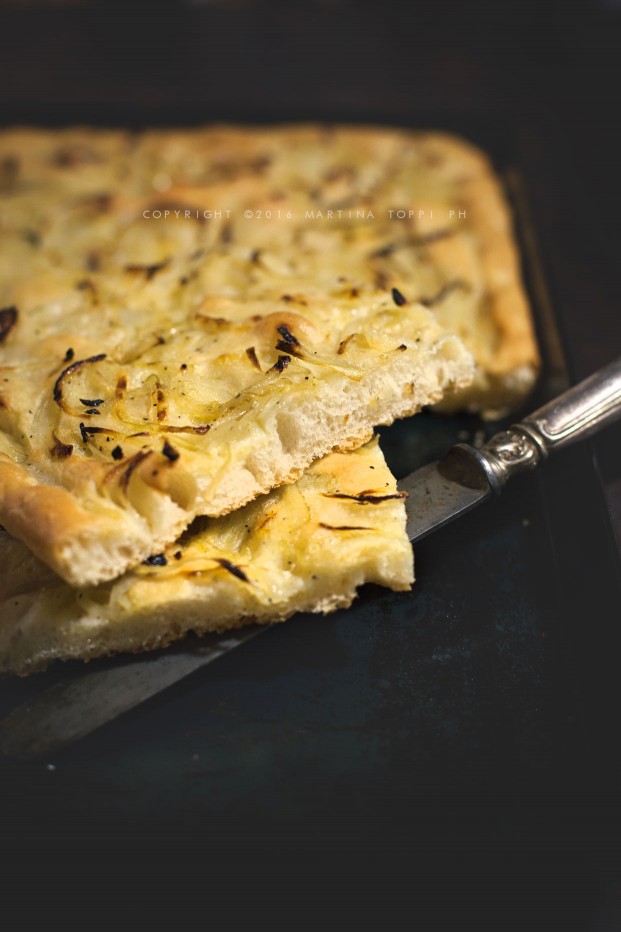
{"x":436,"y":494}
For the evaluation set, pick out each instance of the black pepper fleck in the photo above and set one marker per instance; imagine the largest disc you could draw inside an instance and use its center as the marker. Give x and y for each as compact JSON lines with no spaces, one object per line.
{"x":398,"y":298}
{"x":158,"y":559}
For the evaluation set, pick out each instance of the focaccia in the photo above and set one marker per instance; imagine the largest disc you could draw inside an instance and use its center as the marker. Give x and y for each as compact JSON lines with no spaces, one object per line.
{"x":166,"y":351}
{"x":304,"y":547}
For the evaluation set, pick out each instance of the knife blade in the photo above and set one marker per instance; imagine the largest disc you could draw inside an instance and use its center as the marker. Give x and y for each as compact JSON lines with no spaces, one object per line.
{"x":74,"y":707}
{"x":437,"y":493}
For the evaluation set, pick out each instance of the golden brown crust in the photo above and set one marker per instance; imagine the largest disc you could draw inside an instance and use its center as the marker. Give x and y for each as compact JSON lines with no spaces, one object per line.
{"x":482,"y":198}
{"x":48,"y":513}
{"x":507,"y":364}
{"x":69,"y":537}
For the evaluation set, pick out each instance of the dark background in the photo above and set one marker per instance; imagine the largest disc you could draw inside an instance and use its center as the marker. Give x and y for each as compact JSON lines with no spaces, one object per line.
{"x":539,"y":85}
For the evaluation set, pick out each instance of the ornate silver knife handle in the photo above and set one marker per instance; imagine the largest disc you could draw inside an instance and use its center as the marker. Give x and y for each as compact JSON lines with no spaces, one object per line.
{"x":574,"y":415}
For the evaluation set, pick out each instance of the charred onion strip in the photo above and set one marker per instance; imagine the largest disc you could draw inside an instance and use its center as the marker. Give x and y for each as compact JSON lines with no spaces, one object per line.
{"x":186,"y":429}
{"x":281,"y":364}
{"x":292,"y":349}
{"x":344,"y":527}
{"x":289,"y":343}
{"x":135,"y":461}
{"x":251,"y":353}
{"x":87,"y":432}
{"x":58,"y":385}
{"x":296,"y":349}
{"x":366,"y":498}
{"x":287,"y":336}
{"x":157,"y":429}
{"x":343,"y":344}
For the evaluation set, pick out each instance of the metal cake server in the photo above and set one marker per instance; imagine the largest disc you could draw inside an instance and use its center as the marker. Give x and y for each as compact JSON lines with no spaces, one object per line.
{"x":437,"y":494}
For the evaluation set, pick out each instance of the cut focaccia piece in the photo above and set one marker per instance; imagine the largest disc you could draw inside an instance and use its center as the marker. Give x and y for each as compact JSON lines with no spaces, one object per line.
{"x":119,"y":429}
{"x":305,"y":547}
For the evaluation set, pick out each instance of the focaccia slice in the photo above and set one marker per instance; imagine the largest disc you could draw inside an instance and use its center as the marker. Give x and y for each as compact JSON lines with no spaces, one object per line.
{"x":110,"y":447}
{"x":305,"y":547}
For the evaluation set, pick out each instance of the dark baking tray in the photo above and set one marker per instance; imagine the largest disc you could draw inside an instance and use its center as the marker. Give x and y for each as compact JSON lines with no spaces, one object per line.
{"x":455,"y":742}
